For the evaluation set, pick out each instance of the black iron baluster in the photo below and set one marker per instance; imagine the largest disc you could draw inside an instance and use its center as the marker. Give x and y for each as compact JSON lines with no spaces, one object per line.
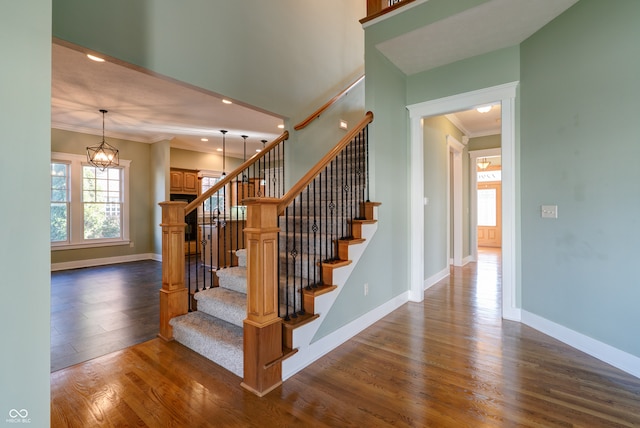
{"x":286,"y":264}
{"x":314,"y":228}
{"x":301,"y":259}
{"x":294,"y":255}
{"x":282,"y":163}
{"x":366,"y":158}
{"x":353,"y":192}
{"x":343,"y":193}
{"x":222,"y":229}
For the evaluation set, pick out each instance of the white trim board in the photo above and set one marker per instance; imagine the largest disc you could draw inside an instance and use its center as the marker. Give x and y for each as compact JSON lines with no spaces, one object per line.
{"x":454,"y":194}
{"x":76,"y":264}
{"x":622,"y":360}
{"x":434,"y":279}
{"x":505,"y":94}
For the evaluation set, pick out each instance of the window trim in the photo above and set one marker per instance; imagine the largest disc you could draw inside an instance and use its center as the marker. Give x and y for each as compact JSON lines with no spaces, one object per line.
{"x":76,"y":218}
{"x":67,"y":200}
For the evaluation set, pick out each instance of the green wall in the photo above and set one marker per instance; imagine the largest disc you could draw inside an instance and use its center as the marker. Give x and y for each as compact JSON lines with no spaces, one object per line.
{"x":313,"y":142}
{"x":285,"y":56}
{"x":141,"y":196}
{"x":25,"y":102}
{"x":486,"y":142}
{"x":580,"y":148}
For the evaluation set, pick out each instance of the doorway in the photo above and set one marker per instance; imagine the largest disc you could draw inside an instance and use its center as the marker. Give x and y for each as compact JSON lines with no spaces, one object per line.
{"x":492,"y":175}
{"x":506,"y":95}
{"x":489,"y":199}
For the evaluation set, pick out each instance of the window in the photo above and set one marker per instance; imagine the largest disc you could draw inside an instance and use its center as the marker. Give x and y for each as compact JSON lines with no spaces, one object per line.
{"x":215,"y":201}
{"x":487,"y":207}
{"x":59,"y":202}
{"x":89,"y":207}
{"x":102,"y":202}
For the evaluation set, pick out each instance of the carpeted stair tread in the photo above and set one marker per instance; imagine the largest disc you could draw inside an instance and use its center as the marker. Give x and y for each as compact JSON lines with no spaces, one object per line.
{"x":217,"y":340}
{"x":228,"y":305}
{"x":233,"y":278}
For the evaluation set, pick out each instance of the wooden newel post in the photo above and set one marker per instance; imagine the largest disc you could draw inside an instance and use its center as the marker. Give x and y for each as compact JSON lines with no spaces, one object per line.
{"x":173,"y":295}
{"x":263,"y":326}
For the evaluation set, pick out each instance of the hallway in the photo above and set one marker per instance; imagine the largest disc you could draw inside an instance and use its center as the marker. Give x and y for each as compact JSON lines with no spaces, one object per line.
{"x":449,"y":361}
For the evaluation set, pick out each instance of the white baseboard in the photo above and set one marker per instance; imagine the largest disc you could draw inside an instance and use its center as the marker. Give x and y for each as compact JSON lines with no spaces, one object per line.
{"x":328,"y":343}
{"x":607,"y":353}
{"x":465,"y":261}
{"x":511,"y":313}
{"x":76,"y":264}
{"x":433,"y":279}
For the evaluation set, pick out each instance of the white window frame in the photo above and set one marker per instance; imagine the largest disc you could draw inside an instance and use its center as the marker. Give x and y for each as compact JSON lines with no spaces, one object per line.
{"x":211,"y":174}
{"x":67,"y":200}
{"x":76,"y":206}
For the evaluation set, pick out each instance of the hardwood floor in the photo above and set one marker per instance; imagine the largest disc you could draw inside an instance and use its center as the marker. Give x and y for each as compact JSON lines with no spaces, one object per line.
{"x":95,"y":311}
{"x":450,"y":361}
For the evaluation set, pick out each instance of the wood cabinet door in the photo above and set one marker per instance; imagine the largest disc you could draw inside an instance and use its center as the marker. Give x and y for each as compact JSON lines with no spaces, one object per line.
{"x":190,"y":182}
{"x":176,"y":181}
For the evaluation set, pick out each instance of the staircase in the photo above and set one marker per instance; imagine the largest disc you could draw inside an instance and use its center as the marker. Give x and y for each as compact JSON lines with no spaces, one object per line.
{"x":215,"y":329}
{"x":300,"y":250}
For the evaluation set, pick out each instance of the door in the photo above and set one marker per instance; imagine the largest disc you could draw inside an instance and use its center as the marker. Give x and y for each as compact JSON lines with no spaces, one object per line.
{"x":490,"y":214}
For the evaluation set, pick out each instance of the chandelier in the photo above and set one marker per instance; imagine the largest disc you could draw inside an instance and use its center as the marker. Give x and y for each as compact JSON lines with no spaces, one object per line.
{"x":104,"y":155}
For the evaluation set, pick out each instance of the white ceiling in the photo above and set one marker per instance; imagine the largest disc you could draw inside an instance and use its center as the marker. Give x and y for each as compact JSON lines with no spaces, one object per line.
{"x":472,"y":123}
{"x":495,"y":24}
{"x":146,"y":108}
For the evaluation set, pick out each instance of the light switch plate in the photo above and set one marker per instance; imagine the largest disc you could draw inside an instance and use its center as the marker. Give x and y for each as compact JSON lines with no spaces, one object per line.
{"x":549,"y":211}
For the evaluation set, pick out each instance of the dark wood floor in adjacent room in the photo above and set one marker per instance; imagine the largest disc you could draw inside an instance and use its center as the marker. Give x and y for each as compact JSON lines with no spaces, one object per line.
{"x":450,"y":361}
{"x":98,"y":310}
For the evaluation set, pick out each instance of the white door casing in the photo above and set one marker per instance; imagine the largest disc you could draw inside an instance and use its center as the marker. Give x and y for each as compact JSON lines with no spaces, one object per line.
{"x":506,"y":94}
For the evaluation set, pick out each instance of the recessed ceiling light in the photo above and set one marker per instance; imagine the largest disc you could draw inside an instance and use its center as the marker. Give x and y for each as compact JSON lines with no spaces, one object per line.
{"x":227,"y":101}
{"x":218,"y":150}
{"x":281,"y":126}
{"x":95,"y":58}
{"x":484,"y":109}
{"x":258,"y":150}
{"x":204,"y":139}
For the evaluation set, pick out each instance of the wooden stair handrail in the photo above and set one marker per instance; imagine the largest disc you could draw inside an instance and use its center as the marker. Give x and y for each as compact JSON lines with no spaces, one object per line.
{"x":375,"y":9}
{"x":316,"y":114}
{"x":313,"y":172}
{"x":233,"y":174}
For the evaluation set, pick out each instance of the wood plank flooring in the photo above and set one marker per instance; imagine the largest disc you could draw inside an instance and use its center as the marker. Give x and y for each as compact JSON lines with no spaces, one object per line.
{"x":98,"y":310}
{"x":450,"y":361}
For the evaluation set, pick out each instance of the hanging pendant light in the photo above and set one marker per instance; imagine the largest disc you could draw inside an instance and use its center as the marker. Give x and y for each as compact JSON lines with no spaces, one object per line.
{"x":244,"y":137}
{"x":104,"y":155}
{"x":244,"y":176}
{"x":484,"y":163}
{"x":224,"y":151}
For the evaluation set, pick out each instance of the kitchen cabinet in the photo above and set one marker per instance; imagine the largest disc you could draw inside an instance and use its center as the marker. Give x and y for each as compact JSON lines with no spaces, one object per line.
{"x":184,"y":181}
